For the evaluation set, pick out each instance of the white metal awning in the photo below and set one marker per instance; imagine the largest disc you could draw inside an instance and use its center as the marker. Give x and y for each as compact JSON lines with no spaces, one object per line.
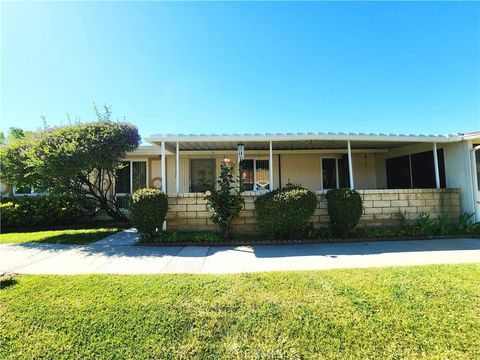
{"x":297,"y":141}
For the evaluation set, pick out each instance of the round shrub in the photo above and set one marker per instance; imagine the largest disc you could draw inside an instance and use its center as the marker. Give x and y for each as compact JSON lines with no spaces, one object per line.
{"x":345,"y":207}
{"x":285,"y":213}
{"x":147,"y":211}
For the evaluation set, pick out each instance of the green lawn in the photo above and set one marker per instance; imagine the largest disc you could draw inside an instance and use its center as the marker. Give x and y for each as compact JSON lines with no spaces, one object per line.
{"x":409,"y":312}
{"x":77,"y":236}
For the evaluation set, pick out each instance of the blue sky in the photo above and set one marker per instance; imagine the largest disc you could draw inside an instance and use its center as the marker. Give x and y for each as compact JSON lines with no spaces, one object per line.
{"x":244,"y":67}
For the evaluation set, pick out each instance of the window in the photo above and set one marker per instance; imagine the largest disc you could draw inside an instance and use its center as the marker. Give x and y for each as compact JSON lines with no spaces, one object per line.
{"x":398,"y":172}
{"x":423,"y":169}
{"x":335,"y":173}
{"x":255,"y":174}
{"x":477,"y":164}
{"x":202,"y":174}
{"x":343,"y":172}
{"x":329,"y":173}
{"x":27,"y":191}
{"x":415,"y":170}
{"x":131,"y":177}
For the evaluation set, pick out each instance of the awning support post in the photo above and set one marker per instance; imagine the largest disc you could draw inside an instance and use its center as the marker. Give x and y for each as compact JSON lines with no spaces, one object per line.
{"x":435,"y":162}
{"x":350,"y":167}
{"x":164,"y":180}
{"x":270,"y":167}
{"x":177,"y":169}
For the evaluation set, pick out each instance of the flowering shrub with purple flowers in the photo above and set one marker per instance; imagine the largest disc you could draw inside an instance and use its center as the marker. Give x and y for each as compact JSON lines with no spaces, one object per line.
{"x":78,"y":160}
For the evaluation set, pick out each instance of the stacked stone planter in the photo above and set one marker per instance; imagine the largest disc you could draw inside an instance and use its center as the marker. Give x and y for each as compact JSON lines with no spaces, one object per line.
{"x":381,"y":208}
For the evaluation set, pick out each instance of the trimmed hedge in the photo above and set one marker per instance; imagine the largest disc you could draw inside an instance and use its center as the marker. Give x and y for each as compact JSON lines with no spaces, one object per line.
{"x":44,"y":210}
{"x":147,"y":211}
{"x":285,"y":213}
{"x":345,"y":207}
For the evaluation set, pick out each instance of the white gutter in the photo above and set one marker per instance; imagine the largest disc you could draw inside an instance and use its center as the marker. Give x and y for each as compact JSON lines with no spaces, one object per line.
{"x":300,"y":137}
{"x":471,"y":136}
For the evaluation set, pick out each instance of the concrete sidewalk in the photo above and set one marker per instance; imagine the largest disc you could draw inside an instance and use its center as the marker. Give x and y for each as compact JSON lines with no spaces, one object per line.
{"x":117,"y":254}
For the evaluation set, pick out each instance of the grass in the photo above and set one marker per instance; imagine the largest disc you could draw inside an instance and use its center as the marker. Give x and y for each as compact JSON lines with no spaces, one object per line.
{"x":387,"y":313}
{"x":76,"y":236}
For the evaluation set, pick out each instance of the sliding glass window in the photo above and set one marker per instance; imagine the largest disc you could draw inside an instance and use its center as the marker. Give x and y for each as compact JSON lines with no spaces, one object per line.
{"x":130,"y":177}
{"x":255,"y":174}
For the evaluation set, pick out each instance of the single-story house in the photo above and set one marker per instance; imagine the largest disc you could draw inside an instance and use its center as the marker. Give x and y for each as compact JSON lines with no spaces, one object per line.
{"x":397,"y":175}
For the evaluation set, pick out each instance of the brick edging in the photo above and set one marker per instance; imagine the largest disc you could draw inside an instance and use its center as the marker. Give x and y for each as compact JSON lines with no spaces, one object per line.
{"x":305,"y":241}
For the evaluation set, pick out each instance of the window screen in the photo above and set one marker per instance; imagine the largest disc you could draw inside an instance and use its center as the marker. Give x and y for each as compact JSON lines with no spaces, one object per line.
{"x":343,"y":172}
{"x":202,"y":172}
{"x":423,"y":169}
{"x":262,"y":174}
{"x":122,"y":183}
{"x":248,"y":177}
{"x":329,"y":173}
{"x":255,"y":174}
{"x":139,"y":175}
{"x":398,"y":173}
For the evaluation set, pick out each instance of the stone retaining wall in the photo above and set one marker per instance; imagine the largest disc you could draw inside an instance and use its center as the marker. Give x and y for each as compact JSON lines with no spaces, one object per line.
{"x":381,"y":208}
{"x":387,"y":207}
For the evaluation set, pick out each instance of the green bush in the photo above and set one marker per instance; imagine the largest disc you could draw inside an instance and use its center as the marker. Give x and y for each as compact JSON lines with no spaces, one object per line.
{"x":285,"y":213}
{"x":59,"y":159}
{"x":467,"y":225}
{"x":43,"y":211}
{"x":147,"y":211}
{"x":345,"y":207}
{"x":225,"y":202}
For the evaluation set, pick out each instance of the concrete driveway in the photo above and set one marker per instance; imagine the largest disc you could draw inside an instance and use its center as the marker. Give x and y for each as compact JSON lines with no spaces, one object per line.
{"x":117,"y":255}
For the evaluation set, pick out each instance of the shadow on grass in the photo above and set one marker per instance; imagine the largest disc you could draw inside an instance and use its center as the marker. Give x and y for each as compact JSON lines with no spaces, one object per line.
{"x":75,"y":239}
{"x":6,"y":281}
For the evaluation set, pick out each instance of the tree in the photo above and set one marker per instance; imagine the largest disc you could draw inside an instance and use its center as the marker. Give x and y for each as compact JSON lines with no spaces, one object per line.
{"x":80,"y":160}
{"x":224,"y":203}
{"x":2,"y":138}
{"x":15,"y":133}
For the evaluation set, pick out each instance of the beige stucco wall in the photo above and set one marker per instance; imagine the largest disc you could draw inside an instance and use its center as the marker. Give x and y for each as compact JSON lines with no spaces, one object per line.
{"x":301,"y":169}
{"x":458,"y":172}
{"x":364,"y":171}
{"x":305,"y":169}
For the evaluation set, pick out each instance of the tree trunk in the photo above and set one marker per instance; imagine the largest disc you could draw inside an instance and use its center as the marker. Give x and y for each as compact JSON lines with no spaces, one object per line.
{"x":225,"y":231}
{"x":114,"y":213}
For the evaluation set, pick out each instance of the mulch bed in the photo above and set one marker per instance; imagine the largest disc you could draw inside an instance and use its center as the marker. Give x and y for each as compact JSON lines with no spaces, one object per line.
{"x":302,"y":241}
